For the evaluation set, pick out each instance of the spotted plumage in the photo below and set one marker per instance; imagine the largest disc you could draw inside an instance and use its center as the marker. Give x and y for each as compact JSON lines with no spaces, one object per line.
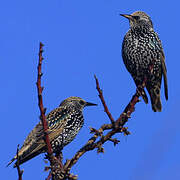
{"x":144,"y":58}
{"x":64,"y":124}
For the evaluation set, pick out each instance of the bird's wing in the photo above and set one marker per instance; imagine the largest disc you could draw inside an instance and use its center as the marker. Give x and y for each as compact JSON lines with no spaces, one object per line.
{"x":158,"y":45}
{"x":28,"y":143}
{"x":34,"y":143}
{"x":56,"y":121}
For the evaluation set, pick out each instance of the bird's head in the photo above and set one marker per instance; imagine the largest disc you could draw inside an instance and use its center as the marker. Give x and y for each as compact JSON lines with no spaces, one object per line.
{"x":76,"y":102}
{"x":138,"y":18}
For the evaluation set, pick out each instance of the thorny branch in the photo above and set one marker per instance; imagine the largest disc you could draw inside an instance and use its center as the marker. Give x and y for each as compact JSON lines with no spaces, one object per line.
{"x":40,"y":101}
{"x":55,"y":164}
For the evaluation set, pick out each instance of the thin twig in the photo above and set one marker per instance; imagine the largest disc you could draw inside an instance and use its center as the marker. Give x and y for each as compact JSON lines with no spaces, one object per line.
{"x":49,"y":176}
{"x":103,"y":101}
{"x":20,"y":172}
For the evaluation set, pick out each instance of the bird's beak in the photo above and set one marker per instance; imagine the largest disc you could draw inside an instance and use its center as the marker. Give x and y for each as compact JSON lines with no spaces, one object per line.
{"x":128,"y":16}
{"x":90,"y":104}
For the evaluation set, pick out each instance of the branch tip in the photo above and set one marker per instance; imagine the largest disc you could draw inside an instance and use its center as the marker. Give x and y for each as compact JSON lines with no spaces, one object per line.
{"x":20,"y":172}
{"x":41,"y":44}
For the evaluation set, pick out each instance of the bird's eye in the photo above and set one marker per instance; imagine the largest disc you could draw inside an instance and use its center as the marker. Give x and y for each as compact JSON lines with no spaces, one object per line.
{"x":82,"y":102}
{"x":136,"y":17}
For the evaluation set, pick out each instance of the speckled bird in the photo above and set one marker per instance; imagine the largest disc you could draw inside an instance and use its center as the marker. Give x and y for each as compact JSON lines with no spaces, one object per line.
{"x":64,"y":124}
{"x":144,"y":58}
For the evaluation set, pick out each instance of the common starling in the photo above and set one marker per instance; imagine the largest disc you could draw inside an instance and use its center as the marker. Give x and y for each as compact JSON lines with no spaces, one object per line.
{"x":64,"y":124}
{"x":144,"y":58}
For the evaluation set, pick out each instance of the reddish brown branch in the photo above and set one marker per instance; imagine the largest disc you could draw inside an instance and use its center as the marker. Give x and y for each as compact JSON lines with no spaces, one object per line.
{"x":56,"y":164}
{"x":42,"y":109}
{"x":103,"y":101}
{"x":40,"y":101}
{"x":20,"y":172}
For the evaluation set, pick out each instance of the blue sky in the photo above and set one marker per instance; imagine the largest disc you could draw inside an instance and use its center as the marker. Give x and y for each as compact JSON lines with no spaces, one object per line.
{"x":83,"y":38}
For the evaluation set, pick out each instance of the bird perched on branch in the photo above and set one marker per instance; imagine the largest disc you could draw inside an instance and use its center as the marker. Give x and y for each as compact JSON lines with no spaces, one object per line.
{"x":144,"y":58}
{"x":64,"y":124}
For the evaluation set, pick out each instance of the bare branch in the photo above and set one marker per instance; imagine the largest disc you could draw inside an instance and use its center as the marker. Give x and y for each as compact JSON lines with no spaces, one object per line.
{"x":40,"y":101}
{"x":114,"y":127}
{"x":20,"y":172}
{"x":56,"y":164}
{"x":102,"y":100}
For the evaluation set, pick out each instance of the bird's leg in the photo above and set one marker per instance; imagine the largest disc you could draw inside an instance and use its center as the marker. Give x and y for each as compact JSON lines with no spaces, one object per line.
{"x":140,"y":90}
{"x":141,"y":87}
{"x":59,"y":157}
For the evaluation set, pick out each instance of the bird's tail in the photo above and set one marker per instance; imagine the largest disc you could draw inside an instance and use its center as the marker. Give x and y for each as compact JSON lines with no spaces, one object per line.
{"x":142,"y":91}
{"x":155,"y":98}
{"x":33,"y":146}
{"x":26,"y":153}
{"x":13,"y":159}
